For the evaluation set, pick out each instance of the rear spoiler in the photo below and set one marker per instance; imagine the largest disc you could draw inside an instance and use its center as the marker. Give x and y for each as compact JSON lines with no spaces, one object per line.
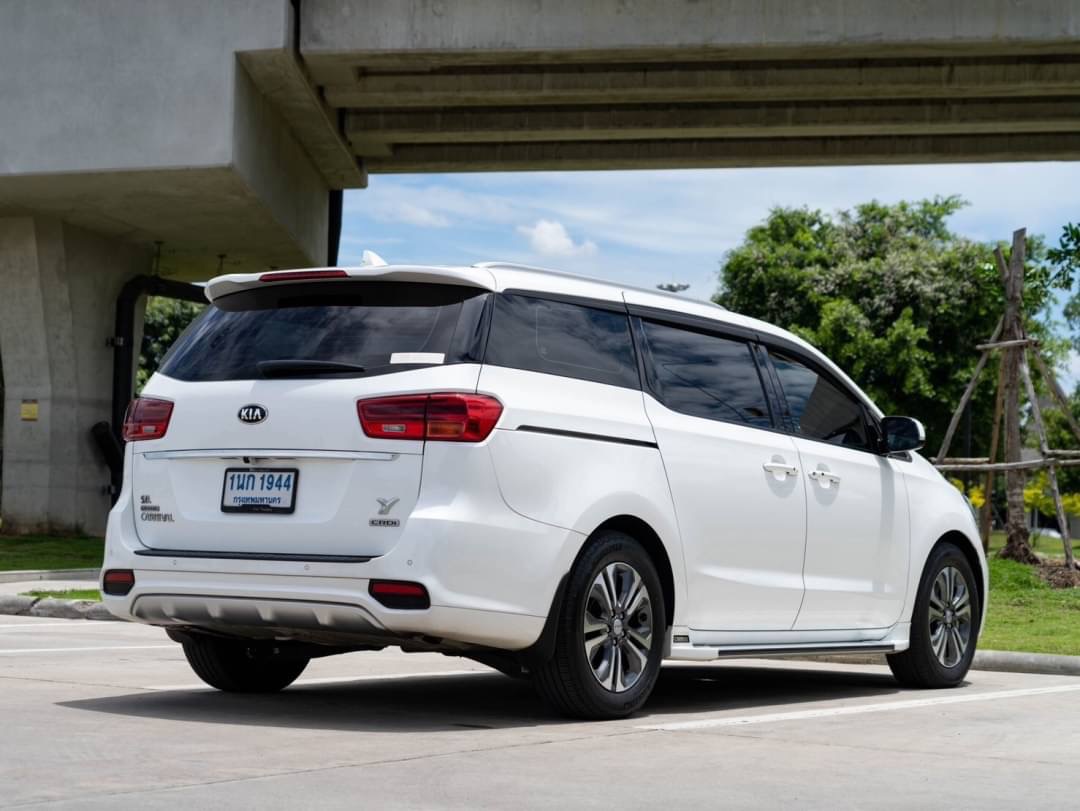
{"x":466,"y":276}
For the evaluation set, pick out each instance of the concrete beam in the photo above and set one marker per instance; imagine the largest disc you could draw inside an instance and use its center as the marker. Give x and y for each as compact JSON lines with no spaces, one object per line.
{"x":390,"y":33}
{"x":733,"y":82}
{"x":735,"y":152}
{"x":375,"y":133}
{"x":283,"y":80}
{"x":196,"y":213}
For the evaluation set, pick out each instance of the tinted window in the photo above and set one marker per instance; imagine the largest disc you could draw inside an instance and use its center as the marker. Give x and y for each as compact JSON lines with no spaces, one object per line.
{"x":381,"y":326}
{"x":705,"y":375}
{"x":820,"y":409}
{"x":562,"y":339}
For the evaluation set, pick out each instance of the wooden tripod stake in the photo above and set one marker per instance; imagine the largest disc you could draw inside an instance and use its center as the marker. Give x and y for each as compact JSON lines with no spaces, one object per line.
{"x":1010,"y":339}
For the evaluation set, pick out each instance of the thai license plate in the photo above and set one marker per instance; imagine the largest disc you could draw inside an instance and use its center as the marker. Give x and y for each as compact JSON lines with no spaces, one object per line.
{"x":259,"y":490}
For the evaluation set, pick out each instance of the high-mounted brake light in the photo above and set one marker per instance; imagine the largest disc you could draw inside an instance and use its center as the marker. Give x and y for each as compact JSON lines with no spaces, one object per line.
{"x":147,"y":418}
{"x":444,"y":417}
{"x":301,"y":275}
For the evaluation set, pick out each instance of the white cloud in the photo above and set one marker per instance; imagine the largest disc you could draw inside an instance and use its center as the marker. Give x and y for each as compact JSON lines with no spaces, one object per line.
{"x":412,"y":214}
{"x":550,"y":238}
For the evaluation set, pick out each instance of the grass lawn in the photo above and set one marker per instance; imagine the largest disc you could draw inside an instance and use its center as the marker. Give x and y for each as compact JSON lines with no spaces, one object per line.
{"x":39,"y":552}
{"x":71,"y":594}
{"x":1027,"y":615}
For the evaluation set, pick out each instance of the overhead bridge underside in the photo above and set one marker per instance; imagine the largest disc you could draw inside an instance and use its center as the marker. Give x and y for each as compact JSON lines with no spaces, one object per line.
{"x":490,"y":86}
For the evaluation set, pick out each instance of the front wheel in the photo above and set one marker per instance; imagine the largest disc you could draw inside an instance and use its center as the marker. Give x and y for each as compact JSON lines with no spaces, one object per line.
{"x":610,"y":637}
{"x":241,"y":666}
{"x":944,"y":624}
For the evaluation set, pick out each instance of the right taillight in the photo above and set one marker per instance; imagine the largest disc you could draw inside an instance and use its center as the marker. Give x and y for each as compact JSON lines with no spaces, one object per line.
{"x":147,"y":418}
{"x":446,"y":417}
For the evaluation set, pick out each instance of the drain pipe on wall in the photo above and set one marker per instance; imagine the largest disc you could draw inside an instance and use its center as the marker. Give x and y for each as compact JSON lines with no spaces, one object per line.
{"x":107,"y":435}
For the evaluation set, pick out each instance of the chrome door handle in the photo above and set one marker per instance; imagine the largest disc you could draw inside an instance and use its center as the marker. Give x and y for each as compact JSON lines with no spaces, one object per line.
{"x":825,"y":477}
{"x":780,"y":470}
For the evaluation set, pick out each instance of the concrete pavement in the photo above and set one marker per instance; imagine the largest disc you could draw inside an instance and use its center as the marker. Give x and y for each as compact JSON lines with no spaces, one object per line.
{"x":100,"y":715}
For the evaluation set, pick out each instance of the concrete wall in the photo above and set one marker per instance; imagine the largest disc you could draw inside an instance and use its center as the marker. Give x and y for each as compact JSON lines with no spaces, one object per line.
{"x":134,"y":118}
{"x":59,"y":293}
{"x":125,"y":84}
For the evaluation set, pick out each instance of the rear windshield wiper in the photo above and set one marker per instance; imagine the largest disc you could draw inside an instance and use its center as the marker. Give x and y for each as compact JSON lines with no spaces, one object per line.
{"x":305,"y":368}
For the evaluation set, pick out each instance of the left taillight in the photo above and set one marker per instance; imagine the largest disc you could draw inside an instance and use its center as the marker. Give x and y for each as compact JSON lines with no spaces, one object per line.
{"x":147,"y":418}
{"x":118,"y":582}
{"x":443,"y":417}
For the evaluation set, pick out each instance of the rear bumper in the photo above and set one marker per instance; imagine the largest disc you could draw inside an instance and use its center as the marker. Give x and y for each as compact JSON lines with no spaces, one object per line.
{"x":490,"y":572}
{"x":335,"y":611}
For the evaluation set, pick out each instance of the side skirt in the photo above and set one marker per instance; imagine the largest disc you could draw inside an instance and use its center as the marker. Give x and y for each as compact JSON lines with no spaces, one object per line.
{"x":707,"y":653}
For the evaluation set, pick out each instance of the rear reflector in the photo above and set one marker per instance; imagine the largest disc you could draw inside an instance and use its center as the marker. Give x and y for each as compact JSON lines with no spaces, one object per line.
{"x":444,"y":417}
{"x":147,"y":418}
{"x":400,"y":594}
{"x":301,"y":275}
{"x":118,"y":582}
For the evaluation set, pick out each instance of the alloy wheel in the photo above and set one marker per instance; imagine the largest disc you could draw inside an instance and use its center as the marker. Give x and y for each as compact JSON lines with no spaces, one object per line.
{"x":950,"y":616}
{"x":618,"y":626}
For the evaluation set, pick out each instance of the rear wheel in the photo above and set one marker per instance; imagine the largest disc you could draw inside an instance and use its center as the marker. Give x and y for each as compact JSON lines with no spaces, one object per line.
{"x":610,"y":637}
{"x":944,"y":624}
{"x":241,"y":666}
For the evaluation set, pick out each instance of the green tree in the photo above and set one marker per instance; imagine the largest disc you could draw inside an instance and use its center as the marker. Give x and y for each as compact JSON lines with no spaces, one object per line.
{"x":165,"y":319}
{"x":891,"y":294}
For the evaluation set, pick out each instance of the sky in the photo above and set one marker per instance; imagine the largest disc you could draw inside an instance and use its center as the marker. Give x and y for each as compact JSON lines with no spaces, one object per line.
{"x":651,"y":227}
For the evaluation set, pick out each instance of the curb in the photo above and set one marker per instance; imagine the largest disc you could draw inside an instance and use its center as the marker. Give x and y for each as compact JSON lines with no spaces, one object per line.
{"x":1045,"y":663}
{"x":49,"y":574}
{"x":20,"y":605}
{"x":991,"y":660}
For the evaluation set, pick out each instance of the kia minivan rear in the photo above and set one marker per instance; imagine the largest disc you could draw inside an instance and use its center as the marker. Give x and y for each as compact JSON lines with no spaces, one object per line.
{"x":566,"y":479}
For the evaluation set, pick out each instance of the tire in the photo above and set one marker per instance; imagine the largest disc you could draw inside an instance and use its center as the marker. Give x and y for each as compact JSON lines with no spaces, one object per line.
{"x":241,"y":666}
{"x":934,"y":658}
{"x":570,"y":681}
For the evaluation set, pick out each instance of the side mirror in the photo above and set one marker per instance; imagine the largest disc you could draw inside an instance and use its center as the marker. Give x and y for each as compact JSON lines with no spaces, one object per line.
{"x":902,"y":434}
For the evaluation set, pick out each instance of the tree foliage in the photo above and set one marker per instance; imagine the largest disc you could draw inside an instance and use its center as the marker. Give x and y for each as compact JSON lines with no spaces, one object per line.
{"x":892,"y":295}
{"x":165,"y":319}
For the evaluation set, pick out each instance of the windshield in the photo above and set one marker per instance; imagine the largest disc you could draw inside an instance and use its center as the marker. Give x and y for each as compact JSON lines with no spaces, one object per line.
{"x":373,"y":327}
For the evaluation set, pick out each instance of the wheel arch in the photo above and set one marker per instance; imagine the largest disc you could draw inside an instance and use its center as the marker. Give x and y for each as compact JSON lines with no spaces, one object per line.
{"x":640,"y":531}
{"x":974,"y":556}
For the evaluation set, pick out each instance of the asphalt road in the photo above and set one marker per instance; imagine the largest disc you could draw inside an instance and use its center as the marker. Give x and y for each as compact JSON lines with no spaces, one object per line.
{"x":108,"y":715}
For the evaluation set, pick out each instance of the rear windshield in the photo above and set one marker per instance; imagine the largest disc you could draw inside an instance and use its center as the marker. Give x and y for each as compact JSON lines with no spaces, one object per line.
{"x":379,"y":326}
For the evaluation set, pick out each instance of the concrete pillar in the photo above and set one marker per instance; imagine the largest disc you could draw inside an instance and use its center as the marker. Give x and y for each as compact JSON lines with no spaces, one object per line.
{"x":58,"y":288}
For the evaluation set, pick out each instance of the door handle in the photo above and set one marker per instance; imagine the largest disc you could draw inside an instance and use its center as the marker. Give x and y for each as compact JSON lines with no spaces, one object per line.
{"x":826,"y":477}
{"x":781,"y":470}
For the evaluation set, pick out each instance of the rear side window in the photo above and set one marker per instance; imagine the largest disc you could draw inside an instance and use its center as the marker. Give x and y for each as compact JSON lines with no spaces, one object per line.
{"x":380,"y":326}
{"x":820,"y":409}
{"x":705,"y":375}
{"x":564,"y":339}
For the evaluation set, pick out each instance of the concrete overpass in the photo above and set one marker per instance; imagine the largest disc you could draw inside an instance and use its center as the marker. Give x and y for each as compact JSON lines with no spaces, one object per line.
{"x":151,"y":135}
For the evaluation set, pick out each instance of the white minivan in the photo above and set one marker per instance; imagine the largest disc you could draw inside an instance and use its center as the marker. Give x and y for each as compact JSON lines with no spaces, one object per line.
{"x":567,"y":479}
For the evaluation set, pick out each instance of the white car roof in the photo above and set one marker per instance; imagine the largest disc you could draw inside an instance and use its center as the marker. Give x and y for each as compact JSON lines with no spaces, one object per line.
{"x":502,"y":276}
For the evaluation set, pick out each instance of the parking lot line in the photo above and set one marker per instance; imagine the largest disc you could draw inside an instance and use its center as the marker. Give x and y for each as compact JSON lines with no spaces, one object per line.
{"x":858,"y":709}
{"x":82,"y":649}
